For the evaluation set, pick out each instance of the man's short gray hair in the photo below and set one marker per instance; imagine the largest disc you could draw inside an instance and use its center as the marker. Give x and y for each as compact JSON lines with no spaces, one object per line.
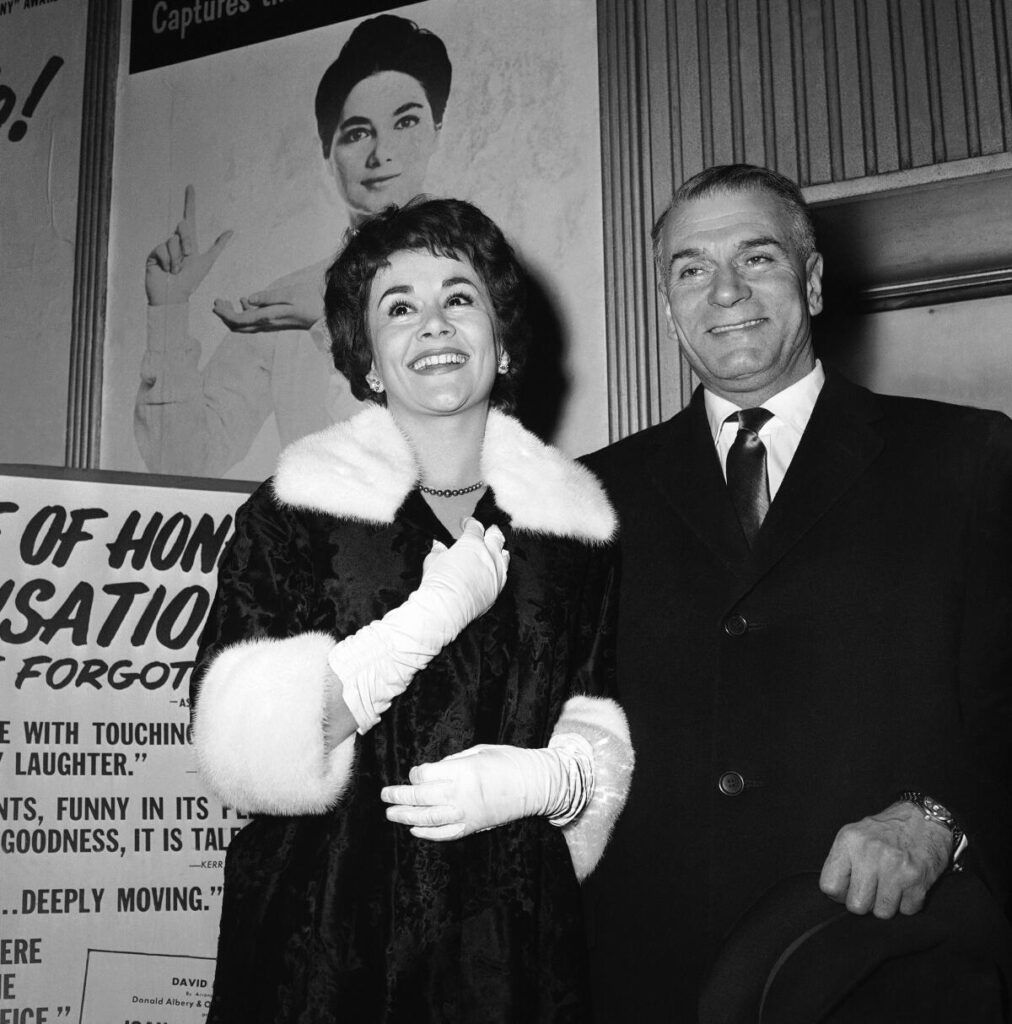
{"x":741,"y":178}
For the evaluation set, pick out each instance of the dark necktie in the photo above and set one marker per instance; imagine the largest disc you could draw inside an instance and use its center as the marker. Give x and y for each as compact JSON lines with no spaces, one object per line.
{"x":747,"y":479}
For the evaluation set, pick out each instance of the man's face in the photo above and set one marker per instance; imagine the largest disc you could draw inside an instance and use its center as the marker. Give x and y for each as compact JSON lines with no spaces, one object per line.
{"x":739,"y":299}
{"x":383,"y":143}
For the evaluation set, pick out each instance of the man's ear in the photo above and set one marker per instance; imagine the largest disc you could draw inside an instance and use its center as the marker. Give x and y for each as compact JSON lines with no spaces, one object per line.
{"x":668,"y":319}
{"x":813,"y":283}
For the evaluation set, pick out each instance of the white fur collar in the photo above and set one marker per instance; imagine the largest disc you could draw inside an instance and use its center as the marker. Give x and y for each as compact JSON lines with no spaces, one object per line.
{"x":363,"y":469}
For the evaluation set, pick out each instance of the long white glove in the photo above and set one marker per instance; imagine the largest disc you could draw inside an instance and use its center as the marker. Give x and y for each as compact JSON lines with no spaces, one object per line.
{"x":489,"y":785}
{"x":459,"y":583}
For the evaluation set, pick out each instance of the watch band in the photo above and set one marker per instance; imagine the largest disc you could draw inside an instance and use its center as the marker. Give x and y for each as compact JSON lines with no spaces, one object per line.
{"x":934,"y":811}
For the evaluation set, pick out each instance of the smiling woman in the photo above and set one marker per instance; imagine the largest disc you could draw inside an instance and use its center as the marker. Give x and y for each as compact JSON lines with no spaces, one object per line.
{"x":366,"y":647}
{"x":442,"y":333}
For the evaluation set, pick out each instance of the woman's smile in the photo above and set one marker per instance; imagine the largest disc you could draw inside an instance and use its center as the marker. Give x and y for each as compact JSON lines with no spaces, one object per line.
{"x":439,"y":362}
{"x":377,"y":182}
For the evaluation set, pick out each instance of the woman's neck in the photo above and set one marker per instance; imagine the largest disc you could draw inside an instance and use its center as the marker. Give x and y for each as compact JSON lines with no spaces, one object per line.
{"x":447,"y":448}
{"x":448,"y":452}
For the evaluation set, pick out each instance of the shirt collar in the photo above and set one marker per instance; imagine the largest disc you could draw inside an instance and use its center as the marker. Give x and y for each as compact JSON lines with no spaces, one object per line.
{"x":793,"y":406}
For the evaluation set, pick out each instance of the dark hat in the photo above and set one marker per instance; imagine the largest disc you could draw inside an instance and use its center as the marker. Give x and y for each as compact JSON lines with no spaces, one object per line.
{"x":798,"y":957}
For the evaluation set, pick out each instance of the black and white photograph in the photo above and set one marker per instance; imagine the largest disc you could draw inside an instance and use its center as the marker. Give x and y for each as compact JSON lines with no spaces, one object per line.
{"x":506,"y":512}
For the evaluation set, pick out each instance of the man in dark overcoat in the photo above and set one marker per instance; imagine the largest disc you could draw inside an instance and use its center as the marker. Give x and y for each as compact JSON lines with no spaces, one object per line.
{"x":815,"y":654}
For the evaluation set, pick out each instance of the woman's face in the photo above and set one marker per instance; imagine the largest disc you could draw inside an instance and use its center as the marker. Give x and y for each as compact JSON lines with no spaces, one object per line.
{"x":383,"y":143}
{"x":431,"y":324}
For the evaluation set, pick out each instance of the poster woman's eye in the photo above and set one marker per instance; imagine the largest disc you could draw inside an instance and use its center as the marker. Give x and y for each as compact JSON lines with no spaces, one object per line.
{"x":352,"y":135}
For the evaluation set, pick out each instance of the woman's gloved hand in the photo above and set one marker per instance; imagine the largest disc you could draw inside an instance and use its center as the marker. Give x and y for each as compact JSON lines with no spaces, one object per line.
{"x":459,"y":583}
{"x":488,"y":785}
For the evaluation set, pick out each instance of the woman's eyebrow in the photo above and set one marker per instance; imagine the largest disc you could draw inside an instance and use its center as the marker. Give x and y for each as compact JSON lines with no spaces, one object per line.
{"x":396,"y":289}
{"x":353,"y":122}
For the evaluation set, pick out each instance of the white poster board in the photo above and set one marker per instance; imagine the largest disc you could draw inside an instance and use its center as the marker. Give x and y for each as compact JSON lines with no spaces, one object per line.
{"x":112,"y":849}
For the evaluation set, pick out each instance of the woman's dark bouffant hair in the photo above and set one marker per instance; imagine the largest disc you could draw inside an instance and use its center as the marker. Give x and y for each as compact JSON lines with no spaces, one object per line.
{"x":385,"y":43}
{"x":443,"y":227}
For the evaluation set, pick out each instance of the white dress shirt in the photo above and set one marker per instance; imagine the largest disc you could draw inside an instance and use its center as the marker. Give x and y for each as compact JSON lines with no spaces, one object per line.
{"x":791,"y":408}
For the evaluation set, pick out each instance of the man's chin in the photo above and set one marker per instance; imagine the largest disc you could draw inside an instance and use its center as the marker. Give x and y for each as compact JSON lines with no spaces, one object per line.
{"x":747,"y":374}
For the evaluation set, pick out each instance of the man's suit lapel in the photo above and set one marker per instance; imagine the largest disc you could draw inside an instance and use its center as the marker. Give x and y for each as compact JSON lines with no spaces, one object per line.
{"x":684,"y":466}
{"x":839,"y":444}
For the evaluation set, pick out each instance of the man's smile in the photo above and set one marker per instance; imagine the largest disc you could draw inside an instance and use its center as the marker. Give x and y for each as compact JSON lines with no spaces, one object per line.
{"x":743,"y":325}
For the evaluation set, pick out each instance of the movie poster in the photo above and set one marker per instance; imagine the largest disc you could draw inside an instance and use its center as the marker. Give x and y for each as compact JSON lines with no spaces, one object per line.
{"x":42,"y":52}
{"x":112,"y":849}
{"x":238,"y":172}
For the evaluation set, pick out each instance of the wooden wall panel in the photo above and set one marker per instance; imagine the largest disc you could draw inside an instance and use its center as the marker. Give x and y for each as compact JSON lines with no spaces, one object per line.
{"x":94,"y":194}
{"x":815,"y":159}
{"x":987,"y":81}
{"x":825,"y":91}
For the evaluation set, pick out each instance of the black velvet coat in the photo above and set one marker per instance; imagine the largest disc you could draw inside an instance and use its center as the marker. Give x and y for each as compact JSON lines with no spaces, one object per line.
{"x":863,"y":647}
{"x":343,"y":916}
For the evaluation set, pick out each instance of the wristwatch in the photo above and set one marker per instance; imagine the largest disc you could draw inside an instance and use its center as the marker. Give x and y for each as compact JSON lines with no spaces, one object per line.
{"x":934,"y":811}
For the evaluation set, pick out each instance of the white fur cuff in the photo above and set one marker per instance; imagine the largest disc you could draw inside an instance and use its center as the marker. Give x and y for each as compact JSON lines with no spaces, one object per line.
{"x":603,"y":724}
{"x":258,"y":728}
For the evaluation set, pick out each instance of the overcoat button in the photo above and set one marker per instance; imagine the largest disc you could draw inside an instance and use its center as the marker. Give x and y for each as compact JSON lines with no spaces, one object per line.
{"x":731,"y":784}
{"x":736,"y":625}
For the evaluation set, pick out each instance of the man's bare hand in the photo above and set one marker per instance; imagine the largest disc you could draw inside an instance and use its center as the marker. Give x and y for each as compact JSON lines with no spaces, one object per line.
{"x":175,"y":268}
{"x":285,"y":308}
{"x":887,"y":862}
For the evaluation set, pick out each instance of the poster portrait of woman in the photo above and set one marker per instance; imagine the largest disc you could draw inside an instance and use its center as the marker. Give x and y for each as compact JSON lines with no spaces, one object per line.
{"x":238,"y":175}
